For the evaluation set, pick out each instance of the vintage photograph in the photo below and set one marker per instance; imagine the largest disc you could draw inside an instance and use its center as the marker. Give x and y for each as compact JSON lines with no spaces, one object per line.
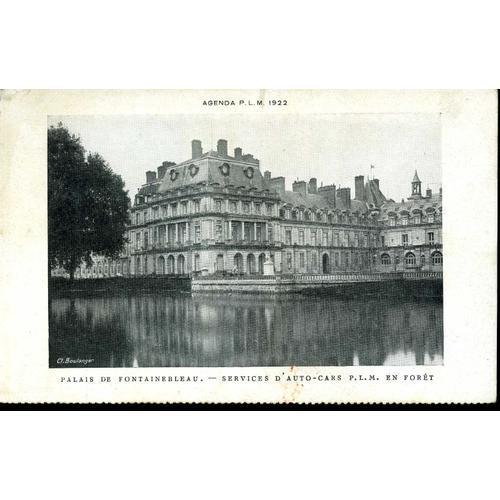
{"x":245,"y":240}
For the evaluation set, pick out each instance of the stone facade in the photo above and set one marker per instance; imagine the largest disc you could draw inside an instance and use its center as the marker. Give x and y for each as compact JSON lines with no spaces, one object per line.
{"x":218,"y":214}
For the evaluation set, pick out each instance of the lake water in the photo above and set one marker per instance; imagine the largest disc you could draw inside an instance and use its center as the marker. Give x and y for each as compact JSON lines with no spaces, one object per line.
{"x":199,"y":331}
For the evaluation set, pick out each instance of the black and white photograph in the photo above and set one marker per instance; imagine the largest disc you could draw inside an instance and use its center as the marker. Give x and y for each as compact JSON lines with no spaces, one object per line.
{"x":261,"y":240}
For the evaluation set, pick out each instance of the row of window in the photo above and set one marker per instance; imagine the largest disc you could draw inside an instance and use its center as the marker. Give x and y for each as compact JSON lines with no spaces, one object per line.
{"x":321,"y":237}
{"x":186,"y":207}
{"x":417,"y":219}
{"x":411,"y":259}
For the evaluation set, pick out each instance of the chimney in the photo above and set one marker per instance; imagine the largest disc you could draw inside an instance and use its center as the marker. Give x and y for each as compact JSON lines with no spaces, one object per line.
{"x":328,"y":192}
{"x":299,"y":187}
{"x":267,"y":175}
{"x":150,"y":176}
{"x":222,"y":147}
{"x":196,"y":149}
{"x":428,"y":193}
{"x":359,"y":188}
{"x":162,"y":170}
{"x":238,"y":153}
{"x":344,"y":194}
{"x":278,"y":184}
{"x":313,"y":185}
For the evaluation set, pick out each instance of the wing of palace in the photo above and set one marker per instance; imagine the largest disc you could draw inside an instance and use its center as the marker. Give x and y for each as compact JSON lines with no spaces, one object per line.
{"x":218,"y":214}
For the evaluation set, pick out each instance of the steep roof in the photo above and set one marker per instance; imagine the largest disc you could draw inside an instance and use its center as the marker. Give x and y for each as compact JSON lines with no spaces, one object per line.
{"x":312,"y":201}
{"x":211,"y":168}
{"x":415,"y":177}
{"x":434,"y":203}
{"x":373,"y":195}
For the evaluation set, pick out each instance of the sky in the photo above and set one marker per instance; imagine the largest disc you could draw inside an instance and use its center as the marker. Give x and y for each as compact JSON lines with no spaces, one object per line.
{"x":334,"y":148}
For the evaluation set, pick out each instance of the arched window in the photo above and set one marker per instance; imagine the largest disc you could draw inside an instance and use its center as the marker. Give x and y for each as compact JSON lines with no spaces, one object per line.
{"x":410,"y":259}
{"x":437,"y":259}
{"x":385,"y":258}
{"x":422,"y":259}
{"x":181,"y":264}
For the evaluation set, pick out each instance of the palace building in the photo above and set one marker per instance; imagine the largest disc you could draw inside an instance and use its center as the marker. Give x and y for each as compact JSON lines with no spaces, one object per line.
{"x":217,"y":213}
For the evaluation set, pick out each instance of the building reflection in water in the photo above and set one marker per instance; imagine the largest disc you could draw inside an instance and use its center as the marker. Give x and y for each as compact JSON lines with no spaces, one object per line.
{"x":200,"y":331}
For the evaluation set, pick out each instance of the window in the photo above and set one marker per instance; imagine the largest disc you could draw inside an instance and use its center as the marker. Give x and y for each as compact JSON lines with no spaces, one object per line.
{"x":404,"y":239}
{"x":164,"y":212}
{"x":356,"y":240}
{"x":145,"y":217}
{"x":196,"y":206}
{"x":382,"y":241}
{"x":184,"y":206}
{"x":385,"y":259}
{"x":218,"y":205}
{"x":410,"y":259}
{"x":196,"y":262}
{"x":288,"y":236}
{"x":437,"y":258}
{"x":417,"y":219}
{"x":430,"y":237}
{"x":336,"y":259}
{"x":173,"y":208}
{"x":313,"y":238}
{"x":289,"y":261}
{"x":156,"y":212}
{"x":218,"y":231}
{"x":197,"y":233}
{"x":220,"y":262}
{"x":232,"y":206}
{"x":294,"y":215}
{"x":137,"y":218}
{"x":422,"y":259}
{"x":336,"y":239}
{"x":430,"y":218}
{"x":307,"y":215}
{"x":137,"y":241}
{"x":392,"y":221}
{"x":302,"y":259}
{"x":146,"y":239}
{"x":301,"y":236}
{"x":319,"y":216}
{"x":325,"y":238}
{"x":314,"y":260}
{"x":269,"y":209}
{"x":257,"y":208}
{"x":246,"y":208}
{"x":404,"y":221}
{"x":269,"y":233}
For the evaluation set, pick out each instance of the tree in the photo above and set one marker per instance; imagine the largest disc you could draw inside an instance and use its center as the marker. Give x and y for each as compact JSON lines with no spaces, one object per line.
{"x":87,"y":204}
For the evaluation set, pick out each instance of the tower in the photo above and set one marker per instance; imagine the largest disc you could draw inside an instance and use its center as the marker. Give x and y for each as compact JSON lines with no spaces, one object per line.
{"x":416,"y":186}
